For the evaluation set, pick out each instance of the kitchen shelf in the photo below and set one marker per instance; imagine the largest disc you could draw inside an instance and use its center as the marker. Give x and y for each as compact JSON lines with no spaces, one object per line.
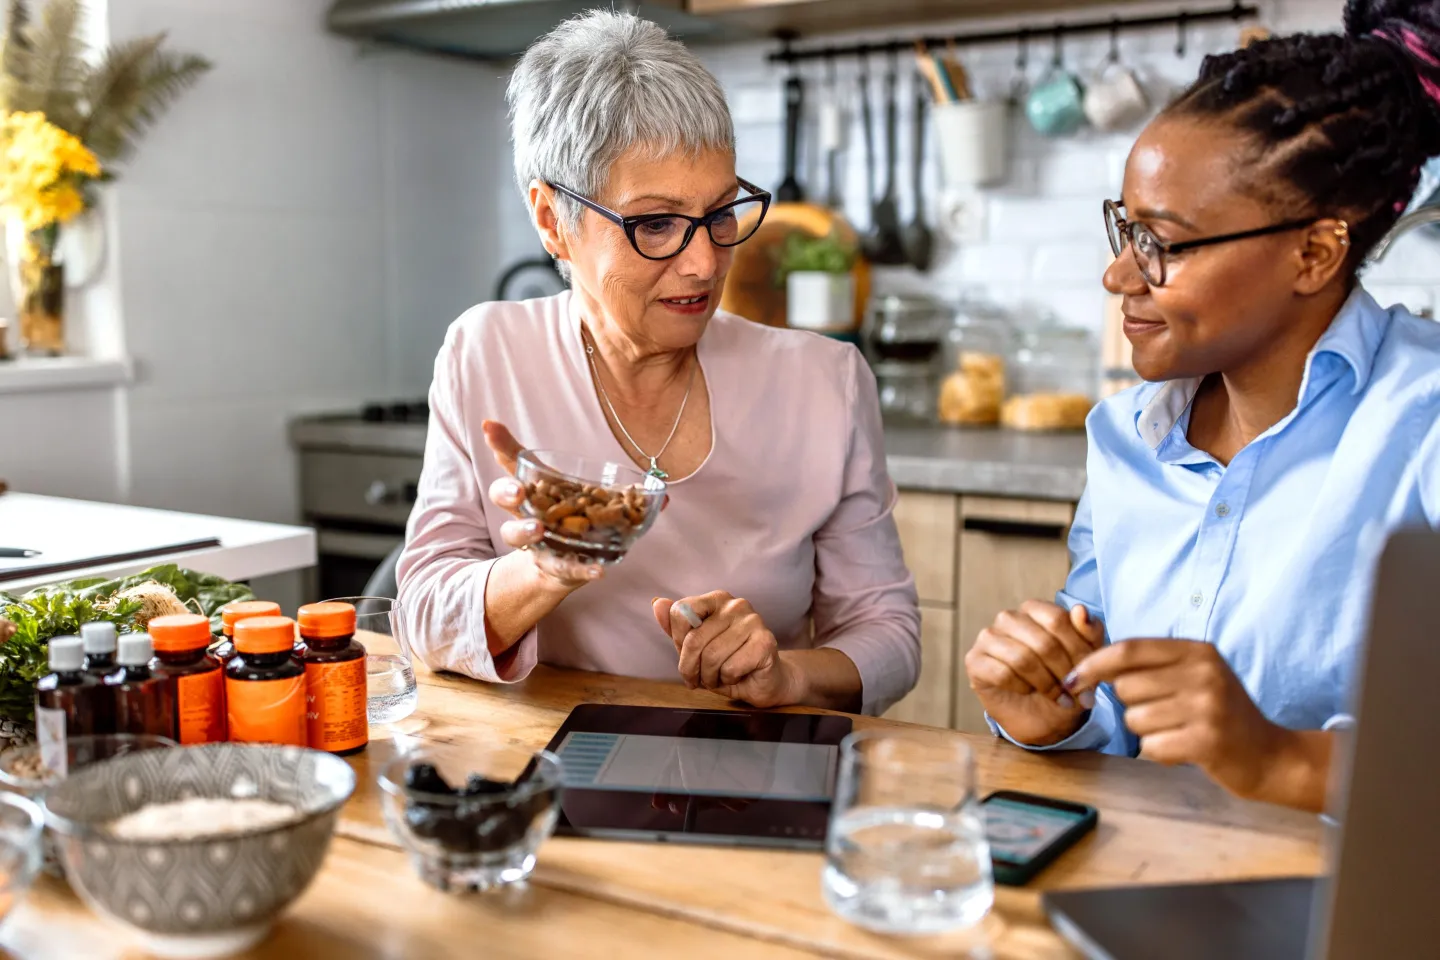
{"x":809,"y":18}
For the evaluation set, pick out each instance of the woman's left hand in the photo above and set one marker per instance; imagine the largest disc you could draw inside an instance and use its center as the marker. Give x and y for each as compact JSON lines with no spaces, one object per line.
{"x":1187,"y":706}
{"x":731,"y":652}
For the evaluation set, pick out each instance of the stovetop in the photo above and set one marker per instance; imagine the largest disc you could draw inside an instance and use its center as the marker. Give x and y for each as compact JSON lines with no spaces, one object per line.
{"x":391,"y":427}
{"x":403,"y":411}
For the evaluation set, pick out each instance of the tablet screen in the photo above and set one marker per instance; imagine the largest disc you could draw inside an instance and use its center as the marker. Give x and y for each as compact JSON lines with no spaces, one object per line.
{"x":699,"y":767}
{"x":703,"y":776}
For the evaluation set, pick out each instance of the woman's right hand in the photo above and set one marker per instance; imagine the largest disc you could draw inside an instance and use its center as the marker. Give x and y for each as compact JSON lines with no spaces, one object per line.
{"x":565,"y":572}
{"x":1018,"y":665}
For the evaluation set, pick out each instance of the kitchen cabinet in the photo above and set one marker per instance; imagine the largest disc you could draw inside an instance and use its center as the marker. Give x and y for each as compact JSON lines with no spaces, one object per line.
{"x":927,"y":524}
{"x":972,"y":557}
{"x":932,"y":700}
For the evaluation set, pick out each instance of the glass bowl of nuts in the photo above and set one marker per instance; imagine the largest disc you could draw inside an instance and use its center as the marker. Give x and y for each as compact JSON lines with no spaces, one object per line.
{"x":592,"y":510}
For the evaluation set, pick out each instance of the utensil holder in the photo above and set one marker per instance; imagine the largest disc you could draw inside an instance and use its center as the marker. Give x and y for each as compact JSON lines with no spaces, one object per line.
{"x":973,"y":139}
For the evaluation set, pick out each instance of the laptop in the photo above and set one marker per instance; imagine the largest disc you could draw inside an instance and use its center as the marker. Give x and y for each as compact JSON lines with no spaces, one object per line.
{"x":1380,"y":896}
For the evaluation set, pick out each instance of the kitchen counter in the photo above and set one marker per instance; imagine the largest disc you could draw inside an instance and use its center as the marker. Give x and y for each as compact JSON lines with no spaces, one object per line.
{"x":604,"y":898}
{"x":975,"y":461}
{"x":987,"y":462}
{"x":70,"y":531}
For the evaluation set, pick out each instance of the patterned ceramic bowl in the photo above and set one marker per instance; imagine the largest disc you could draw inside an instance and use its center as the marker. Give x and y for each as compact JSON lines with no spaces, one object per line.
{"x":204,"y":897}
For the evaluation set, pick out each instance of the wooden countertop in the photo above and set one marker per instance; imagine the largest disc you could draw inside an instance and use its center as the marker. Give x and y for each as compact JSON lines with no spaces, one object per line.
{"x":600,"y":898}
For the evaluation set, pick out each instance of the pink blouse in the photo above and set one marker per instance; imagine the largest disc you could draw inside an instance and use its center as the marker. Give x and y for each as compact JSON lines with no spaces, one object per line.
{"x":791,"y":510}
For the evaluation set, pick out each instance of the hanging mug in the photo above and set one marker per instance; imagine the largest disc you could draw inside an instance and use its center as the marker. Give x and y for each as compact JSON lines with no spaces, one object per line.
{"x":1115,"y":99}
{"x":1056,"y":105}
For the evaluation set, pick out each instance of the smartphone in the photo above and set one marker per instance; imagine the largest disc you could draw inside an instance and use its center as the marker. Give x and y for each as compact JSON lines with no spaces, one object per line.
{"x":1027,"y":831}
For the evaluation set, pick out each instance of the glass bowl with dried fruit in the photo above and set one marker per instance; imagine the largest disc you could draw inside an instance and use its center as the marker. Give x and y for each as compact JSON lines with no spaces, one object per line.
{"x":592,"y":510}
{"x":472,"y":815}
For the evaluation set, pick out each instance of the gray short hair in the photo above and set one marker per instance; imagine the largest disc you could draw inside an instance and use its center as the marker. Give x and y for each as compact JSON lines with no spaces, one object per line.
{"x":600,"y":84}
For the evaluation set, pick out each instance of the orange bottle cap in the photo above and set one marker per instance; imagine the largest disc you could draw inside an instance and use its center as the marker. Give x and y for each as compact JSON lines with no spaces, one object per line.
{"x":329,"y":619}
{"x":178,"y":632}
{"x":265,"y":635}
{"x":233,"y":613}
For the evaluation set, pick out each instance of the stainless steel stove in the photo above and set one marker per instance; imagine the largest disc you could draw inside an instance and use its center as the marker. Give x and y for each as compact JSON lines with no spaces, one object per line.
{"x":358,"y":478}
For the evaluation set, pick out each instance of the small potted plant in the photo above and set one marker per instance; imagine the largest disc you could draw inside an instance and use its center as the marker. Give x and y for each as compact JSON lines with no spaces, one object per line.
{"x":819,"y":285}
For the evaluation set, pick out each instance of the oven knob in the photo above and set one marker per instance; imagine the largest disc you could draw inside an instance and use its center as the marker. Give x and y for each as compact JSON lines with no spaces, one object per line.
{"x":379,"y":493}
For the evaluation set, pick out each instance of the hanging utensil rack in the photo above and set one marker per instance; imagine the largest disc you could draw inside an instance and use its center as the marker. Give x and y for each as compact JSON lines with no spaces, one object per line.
{"x":1237,"y":11}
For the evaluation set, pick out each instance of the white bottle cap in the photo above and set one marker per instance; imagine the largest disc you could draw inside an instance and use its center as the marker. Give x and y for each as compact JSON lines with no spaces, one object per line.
{"x":66,"y":654}
{"x":99,"y":636}
{"x":136,"y":649}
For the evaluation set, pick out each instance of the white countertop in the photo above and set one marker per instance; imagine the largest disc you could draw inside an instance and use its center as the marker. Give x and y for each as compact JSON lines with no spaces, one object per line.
{"x":74,"y":529}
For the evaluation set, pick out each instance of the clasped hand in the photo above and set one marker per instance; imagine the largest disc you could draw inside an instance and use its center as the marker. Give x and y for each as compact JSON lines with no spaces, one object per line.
{"x":1036,"y":670}
{"x":732,"y":652}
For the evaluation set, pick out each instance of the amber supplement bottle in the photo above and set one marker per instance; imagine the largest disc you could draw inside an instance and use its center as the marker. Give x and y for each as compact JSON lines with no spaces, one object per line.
{"x":265,"y":684}
{"x":233,"y":613}
{"x":335,"y":707}
{"x":144,"y":703}
{"x":98,"y":639}
{"x":68,"y":703}
{"x":197,"y":680}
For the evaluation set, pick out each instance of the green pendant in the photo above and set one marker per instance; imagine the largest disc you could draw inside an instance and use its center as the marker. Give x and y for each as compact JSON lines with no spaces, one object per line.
{"x":656,"y":472}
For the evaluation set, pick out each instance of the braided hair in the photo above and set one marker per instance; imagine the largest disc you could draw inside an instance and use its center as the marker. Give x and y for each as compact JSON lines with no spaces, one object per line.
{"x":1341,"y":123}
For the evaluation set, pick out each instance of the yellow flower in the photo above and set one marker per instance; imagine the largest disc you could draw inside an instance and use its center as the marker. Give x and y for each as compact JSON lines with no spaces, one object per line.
{"x":42,"y":171}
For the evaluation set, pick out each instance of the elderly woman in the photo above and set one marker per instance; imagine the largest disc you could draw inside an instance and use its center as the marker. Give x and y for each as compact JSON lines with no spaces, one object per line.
{"x":778,"y":531}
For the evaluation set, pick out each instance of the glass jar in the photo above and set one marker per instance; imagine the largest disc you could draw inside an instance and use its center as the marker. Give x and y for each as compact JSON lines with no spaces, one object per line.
{"x":974,"y":356}
{"x":907,"y":390}
{"x":905,"y":327}
{"x":1054,"y":373}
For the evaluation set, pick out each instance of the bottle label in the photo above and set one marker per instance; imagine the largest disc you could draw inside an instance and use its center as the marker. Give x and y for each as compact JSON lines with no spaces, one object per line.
{"x":266,"y":711}
{"x":335,"y":708}
{"x":50,"y":732}
{"x":200,"y":707}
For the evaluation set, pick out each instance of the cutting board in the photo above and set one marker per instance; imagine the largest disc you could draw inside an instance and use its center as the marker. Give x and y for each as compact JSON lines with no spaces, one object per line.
{"x":750,"y":289}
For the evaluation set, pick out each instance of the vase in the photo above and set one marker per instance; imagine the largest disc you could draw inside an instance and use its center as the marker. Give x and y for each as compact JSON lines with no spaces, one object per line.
{"x":37,"y":282}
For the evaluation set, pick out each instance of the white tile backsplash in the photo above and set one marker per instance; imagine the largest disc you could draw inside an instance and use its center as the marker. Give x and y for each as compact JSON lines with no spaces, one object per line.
{"x":1042,"y":243}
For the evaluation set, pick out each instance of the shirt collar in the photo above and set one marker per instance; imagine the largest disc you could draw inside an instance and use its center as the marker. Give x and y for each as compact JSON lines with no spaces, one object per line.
{"x":1354,"y":336}
{"x":1157,"y":418}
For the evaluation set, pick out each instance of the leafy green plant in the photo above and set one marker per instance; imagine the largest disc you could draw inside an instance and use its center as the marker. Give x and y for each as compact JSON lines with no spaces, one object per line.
{"x":803,"y":253}
{"x":38,"y":617}
{"x":59,"y":609}
{"x":108,"y":104}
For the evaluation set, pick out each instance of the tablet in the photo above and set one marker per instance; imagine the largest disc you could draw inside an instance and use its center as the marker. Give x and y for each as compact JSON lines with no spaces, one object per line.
{"x":724,"y":777}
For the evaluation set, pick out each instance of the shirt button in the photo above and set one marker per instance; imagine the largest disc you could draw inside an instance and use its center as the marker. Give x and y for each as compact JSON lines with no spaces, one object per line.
{"x":1196,"y":599}
{"x":1222,"y":510}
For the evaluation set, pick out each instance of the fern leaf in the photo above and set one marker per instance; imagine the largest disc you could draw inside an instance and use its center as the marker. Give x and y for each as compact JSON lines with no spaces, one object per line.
{"x":129,"y":91}
{"x":114,"y":88}
{"x":57,"y":66}
{"x":13,"y":57}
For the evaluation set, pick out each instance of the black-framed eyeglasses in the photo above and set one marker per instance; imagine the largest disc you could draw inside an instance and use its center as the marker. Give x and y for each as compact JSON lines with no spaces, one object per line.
{"x":1150,"y":251}
{"x":660,"y":236}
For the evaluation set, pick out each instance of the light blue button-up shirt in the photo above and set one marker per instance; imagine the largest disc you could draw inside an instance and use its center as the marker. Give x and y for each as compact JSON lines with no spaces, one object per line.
{"x":1271,"y":557}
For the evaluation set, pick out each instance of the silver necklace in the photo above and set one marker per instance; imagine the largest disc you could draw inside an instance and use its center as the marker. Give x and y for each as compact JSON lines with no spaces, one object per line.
{"x":654,"y":470}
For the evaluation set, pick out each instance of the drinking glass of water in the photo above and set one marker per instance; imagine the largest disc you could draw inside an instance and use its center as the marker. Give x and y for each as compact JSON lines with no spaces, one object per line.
{"x":391,"y":694}
{"x":906,"y":851}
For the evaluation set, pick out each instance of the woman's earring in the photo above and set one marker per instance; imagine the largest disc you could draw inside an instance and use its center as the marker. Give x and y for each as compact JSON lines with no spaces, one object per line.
{"x":1343,"y":233}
